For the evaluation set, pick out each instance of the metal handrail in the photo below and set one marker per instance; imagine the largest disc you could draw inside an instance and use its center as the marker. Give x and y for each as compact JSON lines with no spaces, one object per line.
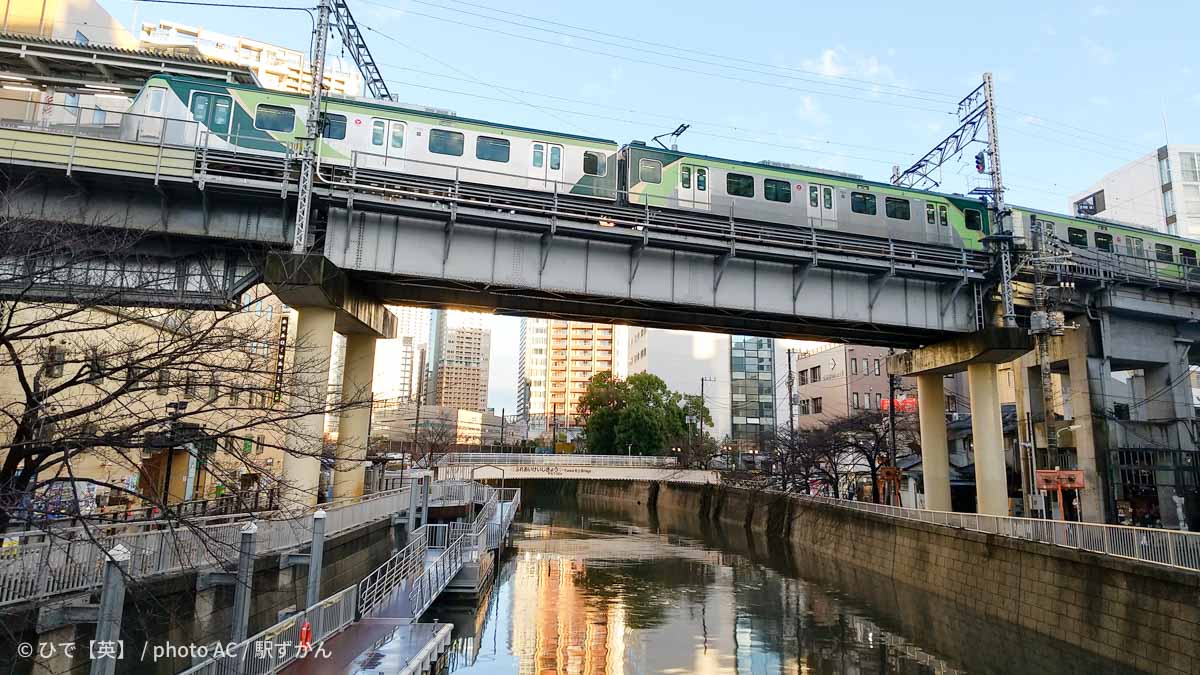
{"x":535,"y":459}
{"x":1170,"y":548}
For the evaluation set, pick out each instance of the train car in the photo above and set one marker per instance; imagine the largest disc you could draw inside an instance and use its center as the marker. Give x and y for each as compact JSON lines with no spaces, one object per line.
{"x":799,"y":197}
{"x":373,"y":135}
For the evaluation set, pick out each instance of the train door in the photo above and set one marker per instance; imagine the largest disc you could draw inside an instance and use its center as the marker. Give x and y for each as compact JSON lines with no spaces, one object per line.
{"x":546,"y":167}
{"x":395,"y":145}
{"x":1136,"y":248}
{"x":693,"y":187}
{"x":212,"y":112}
{"x":934,"y":233}
{"x":822,"y":207}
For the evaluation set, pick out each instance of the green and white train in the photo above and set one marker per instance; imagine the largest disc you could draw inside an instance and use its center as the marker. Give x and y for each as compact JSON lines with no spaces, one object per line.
{"x":385,"y":136}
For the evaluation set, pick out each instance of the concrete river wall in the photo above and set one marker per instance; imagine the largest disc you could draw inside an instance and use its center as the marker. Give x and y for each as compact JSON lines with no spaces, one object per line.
{"x":972,"y":596}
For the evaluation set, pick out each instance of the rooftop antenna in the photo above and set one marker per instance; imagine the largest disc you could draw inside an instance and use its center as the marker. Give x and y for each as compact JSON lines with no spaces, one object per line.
{"x":674,"y":136}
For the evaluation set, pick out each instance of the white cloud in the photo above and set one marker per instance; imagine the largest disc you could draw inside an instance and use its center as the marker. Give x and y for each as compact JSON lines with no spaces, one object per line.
{"x":809,"y":112}
{"x":1098,"y":53}
{"x":828,"y":64}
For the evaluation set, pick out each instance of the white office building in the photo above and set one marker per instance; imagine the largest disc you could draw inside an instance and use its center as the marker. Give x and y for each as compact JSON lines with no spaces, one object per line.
{"x":1160,"y":190}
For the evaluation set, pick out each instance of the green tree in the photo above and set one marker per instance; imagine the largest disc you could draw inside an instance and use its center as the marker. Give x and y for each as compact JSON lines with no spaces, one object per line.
{"x":639,"y":415}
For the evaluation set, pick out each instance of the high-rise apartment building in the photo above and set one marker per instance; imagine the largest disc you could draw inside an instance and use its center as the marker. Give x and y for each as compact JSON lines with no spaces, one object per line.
{"x":1160,"y":190}
{"x":399,"y":362}
{"x":460,"y":346}
{"x":556,"y":361}
{"x":275,"y":67}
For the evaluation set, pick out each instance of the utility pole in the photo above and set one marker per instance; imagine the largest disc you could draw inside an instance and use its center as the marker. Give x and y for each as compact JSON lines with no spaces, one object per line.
{"x":502,"y":420}
{"x":554,"y":428}
{"x":1043,"y":324}
{"x":417,"y":416}
{"x":312,"y":129}
{"x":791,"y":410}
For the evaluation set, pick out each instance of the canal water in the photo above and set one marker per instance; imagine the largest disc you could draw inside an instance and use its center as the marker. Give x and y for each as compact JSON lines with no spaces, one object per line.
{"x":596,"y":590}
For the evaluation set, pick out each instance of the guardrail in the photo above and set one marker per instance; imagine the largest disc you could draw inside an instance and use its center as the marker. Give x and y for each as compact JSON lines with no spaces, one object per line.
{"x":1171,"y":548}
{"x":437,"y":575}
{"x":71,"y":561}
{"x":534,"y":459}
{"x":279,"y":645}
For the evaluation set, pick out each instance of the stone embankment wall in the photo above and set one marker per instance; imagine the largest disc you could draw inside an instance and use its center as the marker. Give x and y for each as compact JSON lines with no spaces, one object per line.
{"x":1146,"y":617}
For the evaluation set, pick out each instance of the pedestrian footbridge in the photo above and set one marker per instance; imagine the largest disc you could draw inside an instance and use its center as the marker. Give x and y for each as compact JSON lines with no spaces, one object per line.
{"x":526,"y":466}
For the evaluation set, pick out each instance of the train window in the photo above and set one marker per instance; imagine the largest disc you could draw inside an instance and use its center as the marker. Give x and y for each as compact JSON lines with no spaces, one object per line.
{"x":739,"y":185}
{"x":1104,"y":242}
{"x":701,"y":179}
{"x":1187,"y":257}
{"x":812,"y":196}
{"x":650,"y":171}
{"x":1077,"y":237}
{"x":493,"y":149}
{"x":899,"y":209}
{"x":222,"y":105}
{"x":154,"y":102}
{"x":539,"y":154}
{"x":595,"y":163}
{"x":777,"y":190}
{"x":685,"y":177}
{"x":444,"y":142}
{"x":274,"y":118}
{"x":334,"y":127}
{"x":974,"y":219}
{"x":200,"y":104}
{"x":555,"y":157}
{"x":397,"y":135}
{"x":861,"y":202}
{"x":930,"y":214}
{"x":378,"y":128}
{"x":943,"y":215}
{"x":1163,"y":253}
{"x":828,"y":197}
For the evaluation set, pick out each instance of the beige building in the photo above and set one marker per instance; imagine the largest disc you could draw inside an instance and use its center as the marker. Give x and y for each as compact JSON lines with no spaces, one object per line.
{"x":460,"y":346}
{"x":275,"y":67}
{"x":402,"y":421}
{"x":229,"y":438}
{"x":83,"y":21}
{"x":556,"y":361}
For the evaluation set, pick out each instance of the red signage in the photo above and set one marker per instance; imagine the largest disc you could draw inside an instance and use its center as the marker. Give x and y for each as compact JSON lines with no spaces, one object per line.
{"x":908,"y":404}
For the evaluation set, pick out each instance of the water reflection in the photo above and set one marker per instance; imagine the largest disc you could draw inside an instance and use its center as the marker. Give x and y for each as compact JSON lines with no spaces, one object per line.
{"x":587,"y":594}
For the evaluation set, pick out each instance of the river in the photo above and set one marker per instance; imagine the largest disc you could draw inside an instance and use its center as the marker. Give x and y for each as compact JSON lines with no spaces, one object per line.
{"x":618,"y":592}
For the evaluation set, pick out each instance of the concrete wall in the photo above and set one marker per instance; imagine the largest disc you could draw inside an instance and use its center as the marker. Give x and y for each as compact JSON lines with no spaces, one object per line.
{"x":171,"y":610}
{"x":1074,"y":606}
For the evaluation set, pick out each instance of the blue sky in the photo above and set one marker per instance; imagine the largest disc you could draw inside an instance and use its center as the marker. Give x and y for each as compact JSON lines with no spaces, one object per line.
{"x":1083,"y":87}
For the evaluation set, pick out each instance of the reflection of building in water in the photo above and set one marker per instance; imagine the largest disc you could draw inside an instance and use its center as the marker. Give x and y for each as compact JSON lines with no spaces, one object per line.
{"x":555,"y":629}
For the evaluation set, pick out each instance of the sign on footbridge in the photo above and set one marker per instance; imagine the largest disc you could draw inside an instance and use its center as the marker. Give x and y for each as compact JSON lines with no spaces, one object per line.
{"x":521,"y":466}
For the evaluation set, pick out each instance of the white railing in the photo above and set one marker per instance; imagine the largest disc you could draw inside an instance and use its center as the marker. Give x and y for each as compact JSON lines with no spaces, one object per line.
{"x":398,"y":571}
{"x":1161,"y":547}
{"x":438,"y":573}
{"x":74,"y":561}
{"x":272,"y":649}
{"x":533,"y":459}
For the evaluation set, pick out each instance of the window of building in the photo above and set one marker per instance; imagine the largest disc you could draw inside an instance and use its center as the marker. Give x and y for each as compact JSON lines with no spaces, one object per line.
{"x":866,"y":366}
{"x":1191,"y":199}
{"x":879,"y":401}
{"x":1164,"y":170}
{"x":866,"y":400}
{"x":739,"y":185}
{"x":378,"y":130}
{"x":1121,"y":411}
{"x":650,"y":171}
{"x":1077,"y":237}
{"x":943,"y":215}
{"x":777,"y":190}
{"x":442,"y":142}
{"x":189,"y":385}
{"x":894,"y":207}
{"x":816,"y":405}
{"x":491,"y":149}
{"x":854,"y":400}
{"x":1189,"y":166}
{"x":595,"y":163}
{"x":1104,"y":242}
{"x":1163,"y":253}
{"x":802,"y":376}
{"x":274,"y":118}
{"x":1168,"y":203}
{"x":861,"y":202}
{"x":814,"y":374}
{"x":214,"y":390}
{"x":56,"y":358}
{"x":876,"y":366}
{"x":853,"y":366}
{"x":164,"y":382}
{"x":335,"y":127}
{"x":973,"y":219}
{"x":803,"y":405}
{"x":81,"y":38}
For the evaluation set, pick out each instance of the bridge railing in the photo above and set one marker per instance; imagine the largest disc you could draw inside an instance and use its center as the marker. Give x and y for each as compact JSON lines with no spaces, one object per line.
{"x":71,"y":561}
{"x":1161,"y":547}
{"x":535,"y":459}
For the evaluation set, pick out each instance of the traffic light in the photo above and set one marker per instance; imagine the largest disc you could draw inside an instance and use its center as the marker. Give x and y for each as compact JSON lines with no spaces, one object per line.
{"x":979,"y":162}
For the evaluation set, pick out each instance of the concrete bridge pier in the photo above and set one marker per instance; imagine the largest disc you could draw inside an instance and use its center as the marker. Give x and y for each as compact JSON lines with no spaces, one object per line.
{"x":978,"y":354}
{"x":327,"y":302}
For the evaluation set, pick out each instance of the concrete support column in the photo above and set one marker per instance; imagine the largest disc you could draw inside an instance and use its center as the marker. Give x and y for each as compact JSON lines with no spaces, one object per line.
{"x":56,"y":661}
{"x":987,"y":435}
{"x":1091,"y":500}
{"x":935,"y":451}
{"x":354,"y":425}
{"x":314,"y":344}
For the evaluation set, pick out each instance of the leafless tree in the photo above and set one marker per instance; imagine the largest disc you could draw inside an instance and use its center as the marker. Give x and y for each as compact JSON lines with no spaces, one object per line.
{"x":434,"y":440}
{"x":864,"y":439}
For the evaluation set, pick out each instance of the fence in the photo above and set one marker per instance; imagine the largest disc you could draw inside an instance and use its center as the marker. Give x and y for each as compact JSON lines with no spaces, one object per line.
{"x":531,"y":459}
{"x":71,"y":560}
{"x":1161,"y":547}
